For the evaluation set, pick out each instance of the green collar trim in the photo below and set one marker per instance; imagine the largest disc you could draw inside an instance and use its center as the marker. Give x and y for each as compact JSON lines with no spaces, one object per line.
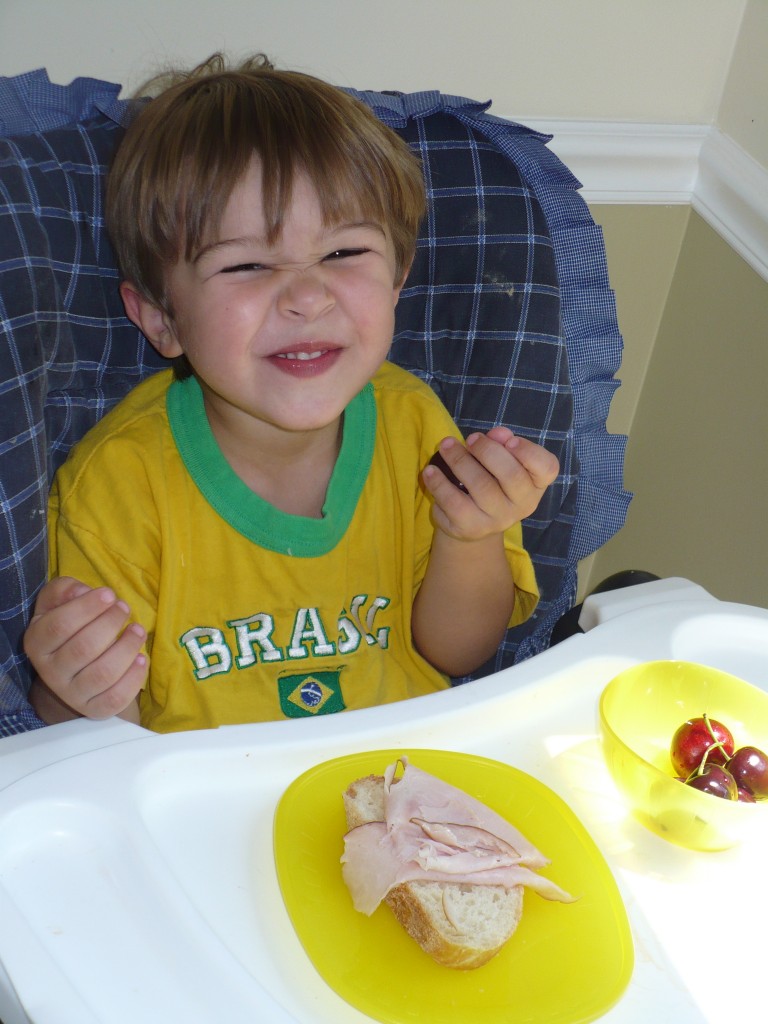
{"x":245,"y":511}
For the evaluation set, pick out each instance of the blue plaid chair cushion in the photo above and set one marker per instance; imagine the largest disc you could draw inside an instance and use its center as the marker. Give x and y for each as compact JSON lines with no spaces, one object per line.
{"x":507,"y":314}
{"x":67,"y":352}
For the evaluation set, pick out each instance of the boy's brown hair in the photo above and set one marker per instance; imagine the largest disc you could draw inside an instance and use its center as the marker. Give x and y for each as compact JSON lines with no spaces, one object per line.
{"x":187,"y":149}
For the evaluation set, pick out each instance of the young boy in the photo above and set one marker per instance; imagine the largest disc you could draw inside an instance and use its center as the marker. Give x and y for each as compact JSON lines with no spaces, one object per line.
{"x":256,"y":536}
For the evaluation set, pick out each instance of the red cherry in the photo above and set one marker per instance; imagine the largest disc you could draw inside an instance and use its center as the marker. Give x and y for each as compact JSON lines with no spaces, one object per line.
{"x":749,"y":767}
{"x":714,"y":779}
{"x":694,"y":739}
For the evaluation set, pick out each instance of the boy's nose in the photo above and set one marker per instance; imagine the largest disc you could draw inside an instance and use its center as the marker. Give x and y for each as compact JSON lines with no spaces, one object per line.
{"x":304,"y":294}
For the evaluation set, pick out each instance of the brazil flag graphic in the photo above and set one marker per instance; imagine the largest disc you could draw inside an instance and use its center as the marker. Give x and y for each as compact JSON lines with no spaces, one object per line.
{"x":306,"y":694}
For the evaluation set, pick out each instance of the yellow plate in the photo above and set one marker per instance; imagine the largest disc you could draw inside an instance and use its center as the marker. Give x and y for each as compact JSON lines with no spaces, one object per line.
{"x":566,"y":963}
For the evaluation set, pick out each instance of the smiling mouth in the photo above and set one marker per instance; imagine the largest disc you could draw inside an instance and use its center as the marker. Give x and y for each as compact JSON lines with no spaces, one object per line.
{"x":306,"y":362}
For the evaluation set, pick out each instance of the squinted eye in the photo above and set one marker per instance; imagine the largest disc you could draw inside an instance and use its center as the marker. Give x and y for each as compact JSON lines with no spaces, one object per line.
{"x":242,"y":268}
{"x":341,"y":254}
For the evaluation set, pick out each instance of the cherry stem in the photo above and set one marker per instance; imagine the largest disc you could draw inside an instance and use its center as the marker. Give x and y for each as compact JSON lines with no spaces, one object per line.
{"x":699,"y":769}
{"x":717,"y":743}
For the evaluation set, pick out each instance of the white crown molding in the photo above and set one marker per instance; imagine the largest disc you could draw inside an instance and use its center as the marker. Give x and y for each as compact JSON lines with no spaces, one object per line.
{"x":671,"y":164}
{"x":731,"y":194}
{"x":628,"y":163}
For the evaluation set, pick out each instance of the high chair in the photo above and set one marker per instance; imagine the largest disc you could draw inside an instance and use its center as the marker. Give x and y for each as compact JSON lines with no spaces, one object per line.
{"x":507,"y":314}
{"x":195,"y":876}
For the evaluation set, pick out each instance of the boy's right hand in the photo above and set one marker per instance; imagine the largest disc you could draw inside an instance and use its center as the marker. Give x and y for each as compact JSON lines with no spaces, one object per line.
{"x":85,"y":650}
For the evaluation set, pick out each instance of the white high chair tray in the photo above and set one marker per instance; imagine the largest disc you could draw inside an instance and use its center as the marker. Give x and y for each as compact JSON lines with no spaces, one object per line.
{"x":137,"y":875}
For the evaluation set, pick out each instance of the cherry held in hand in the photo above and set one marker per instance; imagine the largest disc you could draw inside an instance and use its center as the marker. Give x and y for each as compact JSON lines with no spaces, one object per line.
{"x":438,"y":460}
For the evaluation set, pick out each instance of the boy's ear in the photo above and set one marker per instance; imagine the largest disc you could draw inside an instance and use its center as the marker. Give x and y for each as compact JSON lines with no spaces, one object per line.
{"x":153,"y":322}
{"x":399,"y":284}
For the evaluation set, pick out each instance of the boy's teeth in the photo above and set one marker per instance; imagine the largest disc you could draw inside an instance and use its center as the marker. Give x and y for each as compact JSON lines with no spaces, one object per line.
{"x":300,"y":355}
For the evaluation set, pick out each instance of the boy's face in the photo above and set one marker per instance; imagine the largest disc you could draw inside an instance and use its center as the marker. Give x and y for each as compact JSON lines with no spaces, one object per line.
{"x":281,"y":336}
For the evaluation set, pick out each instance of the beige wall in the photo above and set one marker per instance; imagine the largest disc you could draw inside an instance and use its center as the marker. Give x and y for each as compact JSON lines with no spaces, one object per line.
{"x":643,"y":246}
{"x":633,"y":60}
{"x":743,"y":111}
{"x":694,"y":395}
{"x":697,"y":459}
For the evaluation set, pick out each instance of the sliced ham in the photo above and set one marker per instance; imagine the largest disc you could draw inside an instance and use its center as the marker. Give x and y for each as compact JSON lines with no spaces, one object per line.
{"x":435,"y":832}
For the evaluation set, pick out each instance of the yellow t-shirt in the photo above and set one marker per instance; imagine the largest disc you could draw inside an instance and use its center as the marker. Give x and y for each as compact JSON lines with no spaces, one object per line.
{"x":253,"y":614}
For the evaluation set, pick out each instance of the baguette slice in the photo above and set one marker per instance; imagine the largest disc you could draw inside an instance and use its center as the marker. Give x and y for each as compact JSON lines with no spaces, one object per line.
{"x":457,"y":924}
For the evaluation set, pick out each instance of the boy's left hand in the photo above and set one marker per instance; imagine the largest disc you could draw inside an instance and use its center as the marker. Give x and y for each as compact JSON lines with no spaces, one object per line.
{"x":505,"y":476}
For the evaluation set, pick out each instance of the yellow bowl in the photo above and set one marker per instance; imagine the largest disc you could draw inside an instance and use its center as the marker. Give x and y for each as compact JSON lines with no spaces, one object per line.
{"x":639,"y":712}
